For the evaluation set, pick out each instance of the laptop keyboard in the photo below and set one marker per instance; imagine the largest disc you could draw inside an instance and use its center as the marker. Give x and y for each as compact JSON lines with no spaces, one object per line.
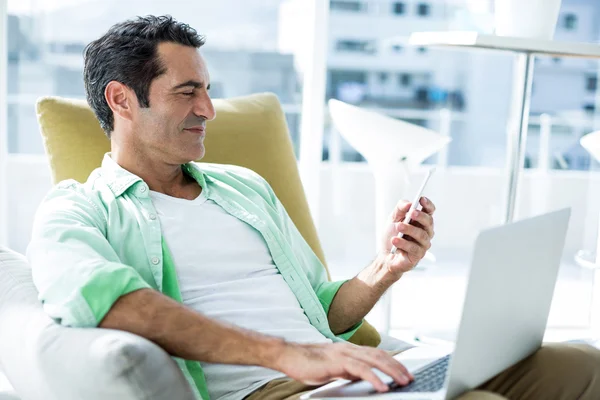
{"x":429,"y":379}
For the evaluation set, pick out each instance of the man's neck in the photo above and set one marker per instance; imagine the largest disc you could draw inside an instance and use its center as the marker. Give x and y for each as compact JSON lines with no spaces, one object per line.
{"x":160,"y":176}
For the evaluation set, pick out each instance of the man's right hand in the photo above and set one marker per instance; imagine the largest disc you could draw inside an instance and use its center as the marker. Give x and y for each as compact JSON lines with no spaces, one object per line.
{"x":317,"y":364}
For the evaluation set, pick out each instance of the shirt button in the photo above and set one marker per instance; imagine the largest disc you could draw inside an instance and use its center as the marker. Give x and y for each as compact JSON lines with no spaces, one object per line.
{"x":143,"y":189}
{"x":152,"y":216}
{"x":155,"y":260}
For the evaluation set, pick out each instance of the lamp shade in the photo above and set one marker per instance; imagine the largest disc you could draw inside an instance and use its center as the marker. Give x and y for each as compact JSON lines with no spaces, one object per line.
{"x":591,"y":142}
{"x":382,"y":139}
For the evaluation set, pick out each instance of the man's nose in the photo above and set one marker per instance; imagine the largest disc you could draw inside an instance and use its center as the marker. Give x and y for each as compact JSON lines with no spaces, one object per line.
{"x":204,"y":107}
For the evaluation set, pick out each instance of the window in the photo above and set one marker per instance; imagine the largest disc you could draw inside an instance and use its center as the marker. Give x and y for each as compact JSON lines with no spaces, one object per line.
{"x":591,"y":83}
{"x":355,"y":46}
{"x":423,"y":9}
{"x":570,"y":22}
{"x":351,"y":6}
{"x":383,"y":77}
{"x":405,"y":80}
{"x":45,"y":45}
{"x":452,"y":95}
{"x":399,"y":8}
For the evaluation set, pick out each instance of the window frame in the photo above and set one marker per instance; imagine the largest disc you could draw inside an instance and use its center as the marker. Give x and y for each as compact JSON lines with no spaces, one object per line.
{"x":3,"y":123}
{"x":312,"y":118}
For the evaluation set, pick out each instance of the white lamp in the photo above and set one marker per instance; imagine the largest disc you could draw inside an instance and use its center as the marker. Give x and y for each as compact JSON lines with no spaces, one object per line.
{"x":591,"y":142}
{"x":534,"y":19}
{"x":391,"y":148}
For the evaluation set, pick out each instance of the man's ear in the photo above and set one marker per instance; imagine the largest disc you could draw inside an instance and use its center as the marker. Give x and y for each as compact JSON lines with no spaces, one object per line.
{"x":121,"y":100}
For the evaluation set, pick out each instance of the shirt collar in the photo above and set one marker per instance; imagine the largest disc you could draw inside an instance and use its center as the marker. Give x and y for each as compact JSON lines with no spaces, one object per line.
{"x":119,"y":179}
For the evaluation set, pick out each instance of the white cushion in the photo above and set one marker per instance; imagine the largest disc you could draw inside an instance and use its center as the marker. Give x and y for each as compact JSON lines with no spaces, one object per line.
{"x":6,"y":392}
{"x":9,"y":396}
{"x":43,"y":360}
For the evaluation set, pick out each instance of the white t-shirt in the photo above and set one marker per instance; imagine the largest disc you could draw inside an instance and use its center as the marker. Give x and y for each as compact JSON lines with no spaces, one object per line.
{"x":226,"y":272}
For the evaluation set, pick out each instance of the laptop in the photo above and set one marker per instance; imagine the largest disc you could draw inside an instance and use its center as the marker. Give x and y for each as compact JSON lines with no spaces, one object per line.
{"x":510,"y":288}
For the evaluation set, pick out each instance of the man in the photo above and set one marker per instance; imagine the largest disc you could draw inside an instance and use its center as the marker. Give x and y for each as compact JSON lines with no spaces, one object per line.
{"x":182,"y":253}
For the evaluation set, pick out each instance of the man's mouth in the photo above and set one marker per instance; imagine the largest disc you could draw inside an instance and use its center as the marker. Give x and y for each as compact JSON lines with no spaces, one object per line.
{"x":199,"y":130}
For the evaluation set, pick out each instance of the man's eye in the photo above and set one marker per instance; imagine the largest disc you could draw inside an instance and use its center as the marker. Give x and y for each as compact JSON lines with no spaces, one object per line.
{"x":188,"y":93}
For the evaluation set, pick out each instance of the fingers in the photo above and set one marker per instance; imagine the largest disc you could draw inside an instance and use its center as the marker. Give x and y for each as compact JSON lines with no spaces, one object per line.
{"x":411,"y":248}
{"x":385,"y":363}
{"x":427,"y":205}
{"x":425,"y":222}
{"x":419,"y":235}
{"x":400,"y":211}
{"x":362,"y":371}
{"x":404,"y":205}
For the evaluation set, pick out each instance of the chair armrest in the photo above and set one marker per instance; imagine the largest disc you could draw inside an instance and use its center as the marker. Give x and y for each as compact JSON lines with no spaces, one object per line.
{"x":44,"y":360}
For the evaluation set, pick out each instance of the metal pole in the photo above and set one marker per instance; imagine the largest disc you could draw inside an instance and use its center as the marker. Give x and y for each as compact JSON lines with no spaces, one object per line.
{"x":545,"y":136}
{"x":517,"y":128}
{"x":3,"y":124}
{"x":445,"y":128}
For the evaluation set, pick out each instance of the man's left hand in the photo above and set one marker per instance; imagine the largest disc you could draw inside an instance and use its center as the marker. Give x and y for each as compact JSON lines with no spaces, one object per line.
{"x":415,"y":242}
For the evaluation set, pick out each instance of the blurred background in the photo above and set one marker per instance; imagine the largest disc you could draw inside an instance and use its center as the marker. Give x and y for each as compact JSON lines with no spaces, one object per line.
{"x":276,"y":45}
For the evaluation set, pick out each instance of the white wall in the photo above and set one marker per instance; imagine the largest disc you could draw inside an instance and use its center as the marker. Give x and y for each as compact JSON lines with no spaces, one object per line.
{"x":28,"y":182}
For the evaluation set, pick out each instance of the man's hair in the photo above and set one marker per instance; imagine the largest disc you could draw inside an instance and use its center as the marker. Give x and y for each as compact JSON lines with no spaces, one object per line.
{"x":127,"y":53}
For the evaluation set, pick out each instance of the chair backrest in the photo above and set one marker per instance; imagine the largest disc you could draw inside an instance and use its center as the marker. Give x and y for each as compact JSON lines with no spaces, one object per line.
{"x":249,"y":131}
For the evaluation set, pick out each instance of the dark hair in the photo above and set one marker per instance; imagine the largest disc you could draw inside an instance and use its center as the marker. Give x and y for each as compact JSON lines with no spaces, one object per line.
{"x":127,"y":54}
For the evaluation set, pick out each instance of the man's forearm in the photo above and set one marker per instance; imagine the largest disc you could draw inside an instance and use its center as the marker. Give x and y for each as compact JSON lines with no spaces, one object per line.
{"x":185,"y":333}
{"x":357,"y":297}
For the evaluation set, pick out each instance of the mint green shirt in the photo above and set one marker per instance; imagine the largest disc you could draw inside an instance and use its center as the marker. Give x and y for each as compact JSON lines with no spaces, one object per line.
{"x":97,"y":241}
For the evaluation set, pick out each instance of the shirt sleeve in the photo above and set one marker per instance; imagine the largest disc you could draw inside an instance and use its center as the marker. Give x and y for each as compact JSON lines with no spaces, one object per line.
{"x":77,"y":272}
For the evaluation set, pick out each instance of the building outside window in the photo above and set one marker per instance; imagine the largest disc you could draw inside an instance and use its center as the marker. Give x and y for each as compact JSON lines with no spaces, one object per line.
{"x":45,"y":45}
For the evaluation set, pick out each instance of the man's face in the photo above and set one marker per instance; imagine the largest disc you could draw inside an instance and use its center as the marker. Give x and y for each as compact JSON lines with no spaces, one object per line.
{"x":174,"y":124}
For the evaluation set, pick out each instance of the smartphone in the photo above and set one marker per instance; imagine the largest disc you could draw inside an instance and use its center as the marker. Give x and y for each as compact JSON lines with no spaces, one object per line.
{"x":415,"y":205}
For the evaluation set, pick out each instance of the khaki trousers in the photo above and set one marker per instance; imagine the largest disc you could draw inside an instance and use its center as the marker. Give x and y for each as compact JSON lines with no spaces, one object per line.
{"x":555,"y":371}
